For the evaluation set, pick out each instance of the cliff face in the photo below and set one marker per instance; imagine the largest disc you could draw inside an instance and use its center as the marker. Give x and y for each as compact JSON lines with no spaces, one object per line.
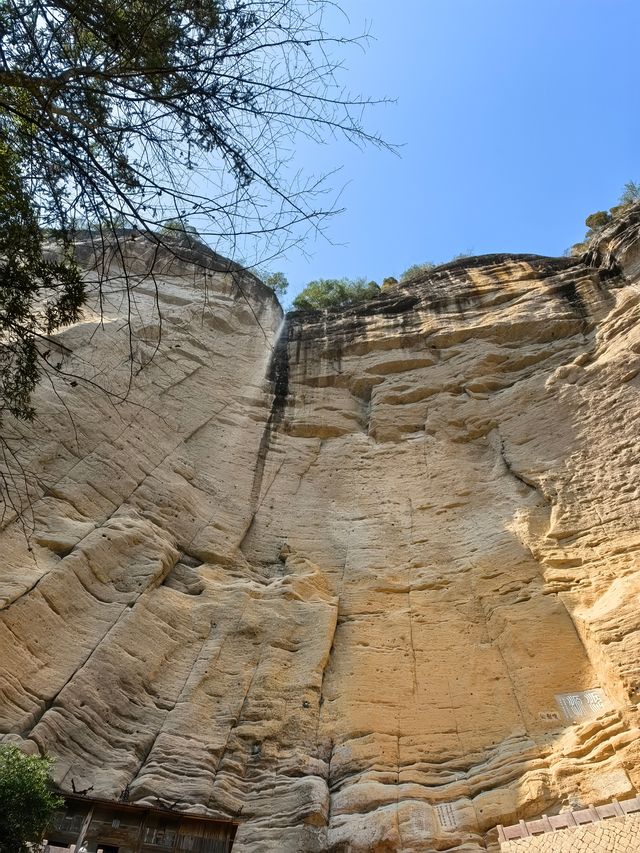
{"x":369,"y":585}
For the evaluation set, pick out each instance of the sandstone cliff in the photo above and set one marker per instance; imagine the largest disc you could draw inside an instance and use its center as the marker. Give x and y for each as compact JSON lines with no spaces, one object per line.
{"x":368,"y":582}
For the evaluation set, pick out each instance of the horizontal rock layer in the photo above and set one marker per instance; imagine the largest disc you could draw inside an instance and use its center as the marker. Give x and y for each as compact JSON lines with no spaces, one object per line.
{"x":367,"y":582}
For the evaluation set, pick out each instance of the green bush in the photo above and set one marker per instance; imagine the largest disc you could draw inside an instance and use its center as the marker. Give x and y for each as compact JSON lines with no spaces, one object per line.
{"x":335,"y":292}
{"x":27,"y":799}
{"x":427,"y":266}
{"x":597,"y":220}
{"x":416,"y":269}
{"x":618,"y":210}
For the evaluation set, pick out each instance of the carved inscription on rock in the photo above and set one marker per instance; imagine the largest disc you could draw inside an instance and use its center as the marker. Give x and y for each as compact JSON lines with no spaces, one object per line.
{"x":582,"y":706}
{"x":447,"y":816}
{"x":422,"y":824}
{"x":549,"y":716}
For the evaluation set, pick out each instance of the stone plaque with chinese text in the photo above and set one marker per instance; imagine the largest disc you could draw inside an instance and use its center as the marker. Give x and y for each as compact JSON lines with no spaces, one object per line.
{"x":582,"y":706}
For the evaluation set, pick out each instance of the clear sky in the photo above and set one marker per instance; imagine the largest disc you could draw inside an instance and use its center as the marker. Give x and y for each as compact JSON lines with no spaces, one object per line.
{"x":517,"y":118}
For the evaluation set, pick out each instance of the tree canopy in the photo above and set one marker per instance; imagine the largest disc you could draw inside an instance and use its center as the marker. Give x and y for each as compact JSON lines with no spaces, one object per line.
{"x":146,"y":115}
{"x":334,"y":292}
{"x":27,"y":798}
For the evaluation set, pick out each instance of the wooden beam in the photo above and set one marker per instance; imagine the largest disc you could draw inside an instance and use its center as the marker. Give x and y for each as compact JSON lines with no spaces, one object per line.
{"x":83,"y":829}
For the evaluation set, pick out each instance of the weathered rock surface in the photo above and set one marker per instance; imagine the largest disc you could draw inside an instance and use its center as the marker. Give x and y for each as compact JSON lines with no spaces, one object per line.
{"x":369,"y":586}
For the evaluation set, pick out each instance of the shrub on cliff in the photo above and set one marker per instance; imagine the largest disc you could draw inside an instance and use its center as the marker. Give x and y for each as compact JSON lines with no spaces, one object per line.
{"x":597,"y":220}
{"x":335,"y":292}
{"x":27,"y":799}
{"x":427,"y":266}
{"x":416,"y":269}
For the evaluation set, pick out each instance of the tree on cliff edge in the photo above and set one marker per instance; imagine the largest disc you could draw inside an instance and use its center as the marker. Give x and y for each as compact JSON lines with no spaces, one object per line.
{"x":136,"y":114}
{"x":334,"y":293}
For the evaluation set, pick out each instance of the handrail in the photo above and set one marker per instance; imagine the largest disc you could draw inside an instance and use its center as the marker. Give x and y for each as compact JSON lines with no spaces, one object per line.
{"x":568,"y":819}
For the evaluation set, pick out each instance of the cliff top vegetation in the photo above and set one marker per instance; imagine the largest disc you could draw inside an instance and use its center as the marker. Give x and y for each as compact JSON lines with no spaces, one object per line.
{"x":337,"y":292}
{"x":595,"y":222}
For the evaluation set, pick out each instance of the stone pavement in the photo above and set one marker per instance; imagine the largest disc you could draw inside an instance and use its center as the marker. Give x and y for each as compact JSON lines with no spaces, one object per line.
{"x":617,"y":835}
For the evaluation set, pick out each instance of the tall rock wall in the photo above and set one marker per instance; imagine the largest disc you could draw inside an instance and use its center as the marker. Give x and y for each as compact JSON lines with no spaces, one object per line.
{"x":368,"y":582}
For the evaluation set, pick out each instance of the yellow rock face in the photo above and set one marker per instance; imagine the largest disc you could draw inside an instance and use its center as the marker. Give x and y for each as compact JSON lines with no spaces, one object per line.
{"x":366,"y":583}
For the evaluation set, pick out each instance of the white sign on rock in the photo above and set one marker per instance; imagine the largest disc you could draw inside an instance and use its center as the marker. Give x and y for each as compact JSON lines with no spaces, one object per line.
{"x":582,"y":706}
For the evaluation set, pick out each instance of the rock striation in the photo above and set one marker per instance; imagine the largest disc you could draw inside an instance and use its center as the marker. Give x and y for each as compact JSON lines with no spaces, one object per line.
{"x":365,"y":580}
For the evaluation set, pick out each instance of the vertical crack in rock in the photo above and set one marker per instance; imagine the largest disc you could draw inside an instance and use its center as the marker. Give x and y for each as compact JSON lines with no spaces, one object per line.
{"x":414,"y":663}
{"x":509,"y":466}
{"x":326,"y":663}
{"x":278,"y":376}
{"x":414,"y":666}
{"x":314,"y":456}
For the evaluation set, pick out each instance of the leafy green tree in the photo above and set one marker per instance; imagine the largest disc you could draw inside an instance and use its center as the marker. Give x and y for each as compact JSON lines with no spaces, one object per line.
{"x":335,"y":292}
{"x":278,"y":282}
{"x":27,"y":799}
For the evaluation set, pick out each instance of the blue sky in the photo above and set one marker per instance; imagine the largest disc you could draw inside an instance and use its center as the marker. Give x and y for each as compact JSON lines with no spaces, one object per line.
{"x":517,"y":118}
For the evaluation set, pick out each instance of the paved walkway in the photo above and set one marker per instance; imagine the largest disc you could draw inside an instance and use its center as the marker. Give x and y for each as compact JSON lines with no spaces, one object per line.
{"x":615,"y":835}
